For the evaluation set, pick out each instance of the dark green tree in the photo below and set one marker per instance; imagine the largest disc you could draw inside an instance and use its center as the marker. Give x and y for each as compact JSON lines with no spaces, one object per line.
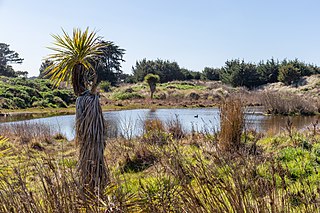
{"x":238,"y":73}
{"x":212,"y":74}
{"x":44,"y":66}
{"x":7,"y":57}
{"x":190,"y":75}
{"x":289,"y":74}
{"x":268,"y":71}
{"x":127,"y":78}
{"x":142,"y":68}
{"x":109,"y":63}
{"x":304,"y":69}
{"x":22,"y":74}
{"x":187,"y":74}
{"x":167,"y":71}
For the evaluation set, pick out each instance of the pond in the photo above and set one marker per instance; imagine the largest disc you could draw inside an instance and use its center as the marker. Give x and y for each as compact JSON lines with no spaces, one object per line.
{"x":129,"y":123}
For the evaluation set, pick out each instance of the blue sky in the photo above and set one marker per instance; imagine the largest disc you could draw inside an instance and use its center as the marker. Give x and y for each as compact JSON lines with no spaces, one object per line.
{"x":194,"y":33}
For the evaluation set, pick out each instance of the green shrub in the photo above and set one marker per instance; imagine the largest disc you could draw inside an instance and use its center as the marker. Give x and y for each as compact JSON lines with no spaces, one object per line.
{"x":127,"y":96}
{"x":19,"y":102}
{"x":25,"y":96}
{"x":51,"y":105}
{"x":299,"y":162}
{"x":160,"y":96}
{"x":182,"y":86}
{"x":316,"y":149}
{"x":6,"y":103}
{"x":59,"y":102}
{"x":47,"y":95}
{"x":66,"y":95}
{"x":105,"y":86}
{"x":41,"y":103}
{"x":32,"y":93}
{"x":34,"y":99}
{"x":7,"y":94}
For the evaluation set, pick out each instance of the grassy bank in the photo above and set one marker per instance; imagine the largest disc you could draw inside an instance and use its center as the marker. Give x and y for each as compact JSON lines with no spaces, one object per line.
{"x":165,"y":170}
{"x":277,"y":98}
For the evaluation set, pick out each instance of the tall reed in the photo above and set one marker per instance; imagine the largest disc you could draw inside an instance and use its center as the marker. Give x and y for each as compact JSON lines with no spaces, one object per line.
{"x":231,"y":124}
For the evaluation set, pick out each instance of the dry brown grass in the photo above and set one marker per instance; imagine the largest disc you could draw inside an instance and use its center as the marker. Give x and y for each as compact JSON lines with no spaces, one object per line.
{"x":284,"y":103}
{"x":154,"y":132}
{"x":231,"y":124}
{"x":27,"y":132}
{"x":174,"y":127}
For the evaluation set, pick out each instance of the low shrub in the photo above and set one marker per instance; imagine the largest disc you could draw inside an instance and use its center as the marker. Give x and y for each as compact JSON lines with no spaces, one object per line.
{"x":40,"y":103}
{"x":160,"y":96}
{"x":127,"y":96}
{"x":66,"y":95}
{"x":59,"y":102}
{"x":19,"y":102}
{"x":6,"y":103}
{"x":193,"y":96}
{"x":26,"y":93}
{"x":105,"y":86}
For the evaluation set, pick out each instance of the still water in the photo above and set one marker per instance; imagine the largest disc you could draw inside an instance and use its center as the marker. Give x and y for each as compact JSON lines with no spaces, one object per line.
{"x":129,"y":123}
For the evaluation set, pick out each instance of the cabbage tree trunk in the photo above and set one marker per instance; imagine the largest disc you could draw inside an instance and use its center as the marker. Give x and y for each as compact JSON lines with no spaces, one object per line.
{"x":90,"y":136}
{"x":152,"y":86}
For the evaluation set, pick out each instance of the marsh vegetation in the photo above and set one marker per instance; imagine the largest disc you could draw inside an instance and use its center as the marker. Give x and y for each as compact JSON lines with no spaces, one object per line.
{"x":166,"y":170}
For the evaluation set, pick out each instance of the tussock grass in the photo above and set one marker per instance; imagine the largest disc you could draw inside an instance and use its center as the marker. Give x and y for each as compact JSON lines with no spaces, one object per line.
{"x":231,"y":124}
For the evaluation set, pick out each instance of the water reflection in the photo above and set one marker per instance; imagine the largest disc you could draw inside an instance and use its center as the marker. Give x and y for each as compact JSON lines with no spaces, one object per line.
{"x":129,"y":123}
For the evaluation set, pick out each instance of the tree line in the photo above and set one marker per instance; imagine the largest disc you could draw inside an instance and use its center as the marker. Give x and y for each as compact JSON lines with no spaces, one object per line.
{"x":235,"y":72}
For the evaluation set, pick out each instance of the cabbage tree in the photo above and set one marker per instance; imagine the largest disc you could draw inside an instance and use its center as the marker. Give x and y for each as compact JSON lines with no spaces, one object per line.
{"x":74,"y":61}
{"x":152,"y":81}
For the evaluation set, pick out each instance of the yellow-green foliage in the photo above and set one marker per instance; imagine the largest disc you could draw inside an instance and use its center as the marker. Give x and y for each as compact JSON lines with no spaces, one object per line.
{"x":4,"y":150}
